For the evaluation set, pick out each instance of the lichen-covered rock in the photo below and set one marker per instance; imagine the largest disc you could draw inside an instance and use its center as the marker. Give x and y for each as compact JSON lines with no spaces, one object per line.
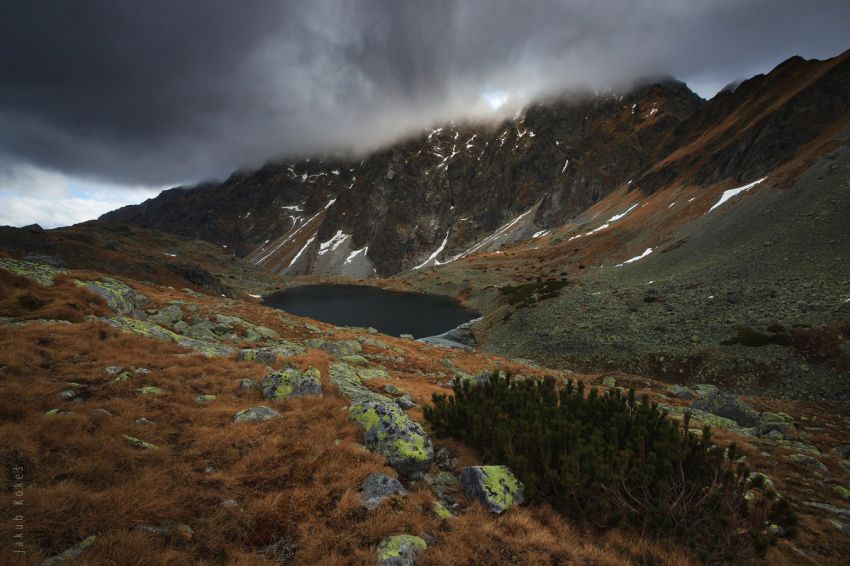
{"x":149,"y":329}
{"x":149,"y":390}
{"x":138,"y":443}
{"x":205,"y":398}
{"x":338,"y":348}
{"x":387,"y":430}
{"x":495,"y":487}
{"x":267,"y":357}
{"x":393,"y":390}
{"x":291,"y":382}
{"x":405,"y":402}
{"x":119,"y":297}
{"x":384,"y":426}
{"x":71,"y":554}
{"x":372,"y":373}
{"x":442,"y":512}
{"x":41,"y":273}
{"x":167,"y":316}
{"x":726,"y":405}
{"x":377,"y":487}
{"x":355,"y":360}
{"x":255,"y":414}
{"x":246,"y":384}
{"x":400,"y":550}
{"x":681,"y":392}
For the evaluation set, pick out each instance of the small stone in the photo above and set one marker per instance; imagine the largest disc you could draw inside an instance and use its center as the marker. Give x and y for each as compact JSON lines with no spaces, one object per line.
{"x":775,"y":530}
{"x":143,"y":421}
{"x":377,"y":487}
{"x":113,"y":370}
{"x":405,"y":401}
{"x":206,"y":398}
{"x":255,"y":414}
{"x":67,"y":394}
{"x":392,"y":389}
{"x":230,"y":504}
{"x":137,"y":443}
{"x":444,"y":459}
{"x":149,"y":390}
{"x":406,"y":336}
{"x":246,"y":384}
{"x":71,"y":554}
{"x":400,"y":550}
{"x":102,"y":412}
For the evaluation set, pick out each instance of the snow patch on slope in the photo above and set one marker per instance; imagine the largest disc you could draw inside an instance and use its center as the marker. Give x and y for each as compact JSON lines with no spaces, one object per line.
{"x":734,"y":192}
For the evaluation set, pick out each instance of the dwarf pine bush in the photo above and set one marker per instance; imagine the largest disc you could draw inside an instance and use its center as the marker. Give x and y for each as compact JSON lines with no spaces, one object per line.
{"x":603,"y":458}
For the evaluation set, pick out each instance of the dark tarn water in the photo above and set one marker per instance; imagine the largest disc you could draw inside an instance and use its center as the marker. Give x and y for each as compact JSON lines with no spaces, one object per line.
{"x":391,"y":312}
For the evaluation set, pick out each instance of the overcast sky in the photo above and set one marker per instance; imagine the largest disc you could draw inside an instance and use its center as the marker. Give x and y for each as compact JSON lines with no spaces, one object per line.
{"x":106,"y":102}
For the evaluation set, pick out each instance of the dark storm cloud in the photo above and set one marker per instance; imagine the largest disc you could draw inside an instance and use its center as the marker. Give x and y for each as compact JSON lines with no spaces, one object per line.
{"x":162,"y":91}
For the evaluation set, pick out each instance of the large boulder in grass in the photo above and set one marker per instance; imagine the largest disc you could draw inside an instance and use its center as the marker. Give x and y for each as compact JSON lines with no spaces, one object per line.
{"x":119,"y":297}
{"x":388,"y":431}
{"x":377,"y":487}
{"x":400,"y":550}
{"x":384,"y":427}
{"x":495,"y":487}
{"x":725,"y":404}
{"x":291,"y":382}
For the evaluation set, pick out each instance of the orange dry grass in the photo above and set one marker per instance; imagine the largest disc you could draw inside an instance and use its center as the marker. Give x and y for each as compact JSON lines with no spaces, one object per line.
{"x":25,"y":299}
{"x":296,"y":478}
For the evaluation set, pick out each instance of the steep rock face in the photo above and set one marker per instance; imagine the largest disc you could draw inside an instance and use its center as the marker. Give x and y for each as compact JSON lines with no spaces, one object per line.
{"x":746,"y":132}
{"x":431,"y":199}
{"x":459,"y":190}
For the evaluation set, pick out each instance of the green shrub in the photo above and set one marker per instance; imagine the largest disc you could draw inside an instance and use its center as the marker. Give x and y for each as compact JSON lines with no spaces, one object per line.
{"x":531,"y":293}
{"x":756,"y":339}
{"x":605,"y":459}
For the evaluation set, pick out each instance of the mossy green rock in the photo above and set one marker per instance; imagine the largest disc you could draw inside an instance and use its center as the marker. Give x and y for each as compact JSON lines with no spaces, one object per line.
{"x":206,"y":398}
{"x":400,"y":550}
{"x":495,"y":487}
{"x":119,"y":297}
{"x":291,"y":382}
{"x":40,"y":273}
{"x":71,"y":554}
{"x":138,"y":443}
{"x":149,"y":390}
